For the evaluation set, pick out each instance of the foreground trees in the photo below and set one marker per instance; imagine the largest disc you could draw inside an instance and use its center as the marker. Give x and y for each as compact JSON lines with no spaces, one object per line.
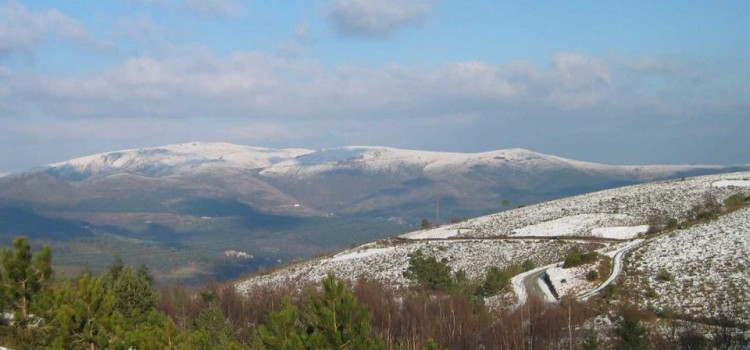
{"x":120,"y":309}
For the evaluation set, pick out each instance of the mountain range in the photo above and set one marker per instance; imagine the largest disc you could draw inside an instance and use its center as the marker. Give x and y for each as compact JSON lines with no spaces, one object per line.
{"x":281,"y":204}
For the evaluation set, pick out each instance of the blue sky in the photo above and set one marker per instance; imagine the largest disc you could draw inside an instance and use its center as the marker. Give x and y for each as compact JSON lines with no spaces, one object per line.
{"x":636,"y":82}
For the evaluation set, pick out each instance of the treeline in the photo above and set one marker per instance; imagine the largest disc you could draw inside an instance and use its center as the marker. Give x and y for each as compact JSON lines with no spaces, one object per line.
{"x":121,"y":309}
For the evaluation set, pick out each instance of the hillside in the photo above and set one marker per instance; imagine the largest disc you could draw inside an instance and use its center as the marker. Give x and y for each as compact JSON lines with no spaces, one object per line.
{"x":709,"y":259}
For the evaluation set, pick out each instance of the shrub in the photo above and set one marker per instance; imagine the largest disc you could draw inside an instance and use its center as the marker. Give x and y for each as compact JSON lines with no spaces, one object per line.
{"x":592,"y":275}
{"x":425,"y":224}
{"x":664,"y":275}
{"x":429,"y":272}
{"x":707,"y":209}
{"x":528,"y":265}
{"x":735,"y":201}
{"x":576,"y":258}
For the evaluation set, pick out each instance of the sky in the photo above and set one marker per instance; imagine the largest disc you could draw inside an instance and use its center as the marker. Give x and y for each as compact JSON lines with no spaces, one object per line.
{"x":617,"y":82}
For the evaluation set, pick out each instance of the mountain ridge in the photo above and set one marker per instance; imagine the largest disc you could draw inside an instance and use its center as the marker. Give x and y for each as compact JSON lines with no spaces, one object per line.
{"x":273,"y":161}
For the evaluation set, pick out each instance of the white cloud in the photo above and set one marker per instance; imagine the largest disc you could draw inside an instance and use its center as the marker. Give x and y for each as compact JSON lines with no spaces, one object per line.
{"x":269,"y":100}
{"x":377,"y":18}
{"x":21,"y":29}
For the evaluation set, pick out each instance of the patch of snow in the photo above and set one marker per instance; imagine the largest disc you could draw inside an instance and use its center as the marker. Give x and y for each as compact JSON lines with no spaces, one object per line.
{"x":731,"y":183}
{"x":576,"y":225}
{"x":574,"y":279}
{"x":360,"y":254}
{"x":435,"y":233}
{"x":619,"y":232}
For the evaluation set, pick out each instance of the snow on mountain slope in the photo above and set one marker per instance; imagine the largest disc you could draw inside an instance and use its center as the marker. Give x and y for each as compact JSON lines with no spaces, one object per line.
{"x":370,"y":158}
{"x":579,"y":215}
{"x":710,"y":265}
{"x":187,"y":157}
{"x":175,"y":159}
{"x":386,"y":261}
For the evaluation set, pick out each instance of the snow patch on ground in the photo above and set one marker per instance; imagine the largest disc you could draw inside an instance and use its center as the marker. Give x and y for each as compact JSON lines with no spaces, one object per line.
{"x":570,"y":281}
{"x":619,"y":232}
{"x":435,"y":233}
{"x":731,"y":183}
{"x":360,"y":254}
{"x":625,"y":206}
{"x":576,"y":225}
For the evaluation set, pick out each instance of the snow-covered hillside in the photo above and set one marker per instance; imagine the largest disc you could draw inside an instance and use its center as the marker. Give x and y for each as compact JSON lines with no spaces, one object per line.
{"x":706,"y":269}
{"x":627,"y":208}
{"x":719,"y":253}
{"x":386,"y":261}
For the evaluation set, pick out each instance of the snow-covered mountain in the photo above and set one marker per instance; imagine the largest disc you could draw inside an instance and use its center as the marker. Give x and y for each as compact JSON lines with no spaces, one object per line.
{"x":290,"y":203}
{"x":195,"y":156}
{"x":174,"y":159}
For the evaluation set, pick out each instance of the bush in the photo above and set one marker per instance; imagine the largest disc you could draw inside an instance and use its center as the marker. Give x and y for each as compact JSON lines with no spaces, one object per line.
{"x":528,"y":265}
{"x":664,"y":275}
{"x":592,"y":275}
{"x":735,"y":201}
{"x":425,"y":224}
{"x":429,"y":272}
{"x":709,"y":208}
{"x":577,"y":258}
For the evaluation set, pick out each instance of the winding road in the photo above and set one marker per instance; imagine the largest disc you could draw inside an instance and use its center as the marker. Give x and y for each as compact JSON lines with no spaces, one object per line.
{"x":530,"y":282}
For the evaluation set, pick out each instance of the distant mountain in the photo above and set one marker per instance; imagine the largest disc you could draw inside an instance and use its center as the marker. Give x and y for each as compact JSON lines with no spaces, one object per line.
{"x":182,"y":195}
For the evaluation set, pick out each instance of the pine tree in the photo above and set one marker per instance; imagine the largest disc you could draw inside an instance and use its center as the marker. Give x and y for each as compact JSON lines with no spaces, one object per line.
{"x":85,"y":318}
{"x":211,"y":330}
{"x":156,"y":331}
{"x":134,"y":294}
{"x":23,"y":278}
{"x":335,"y":320}
{"x":282,"y":331}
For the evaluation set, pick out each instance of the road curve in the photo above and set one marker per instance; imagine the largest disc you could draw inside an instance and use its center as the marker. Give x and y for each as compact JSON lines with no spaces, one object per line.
{"x":531,"y":281}
{"x":526,"y":281}
{"x":616,"y":269}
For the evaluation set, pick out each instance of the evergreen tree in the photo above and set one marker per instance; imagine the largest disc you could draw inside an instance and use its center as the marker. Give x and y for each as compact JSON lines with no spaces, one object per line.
{"x":282,"y":331}
{"x":211,"y":330}
{"x":429,"y":272}
{"x":156,"y":331}
{"x":23,"y":278}
{"x":335,"y":320}
{"x":134,"y":294}
{"x":85,"y":318}
{"x":631,"y":333}
{"x":425,"y":224}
